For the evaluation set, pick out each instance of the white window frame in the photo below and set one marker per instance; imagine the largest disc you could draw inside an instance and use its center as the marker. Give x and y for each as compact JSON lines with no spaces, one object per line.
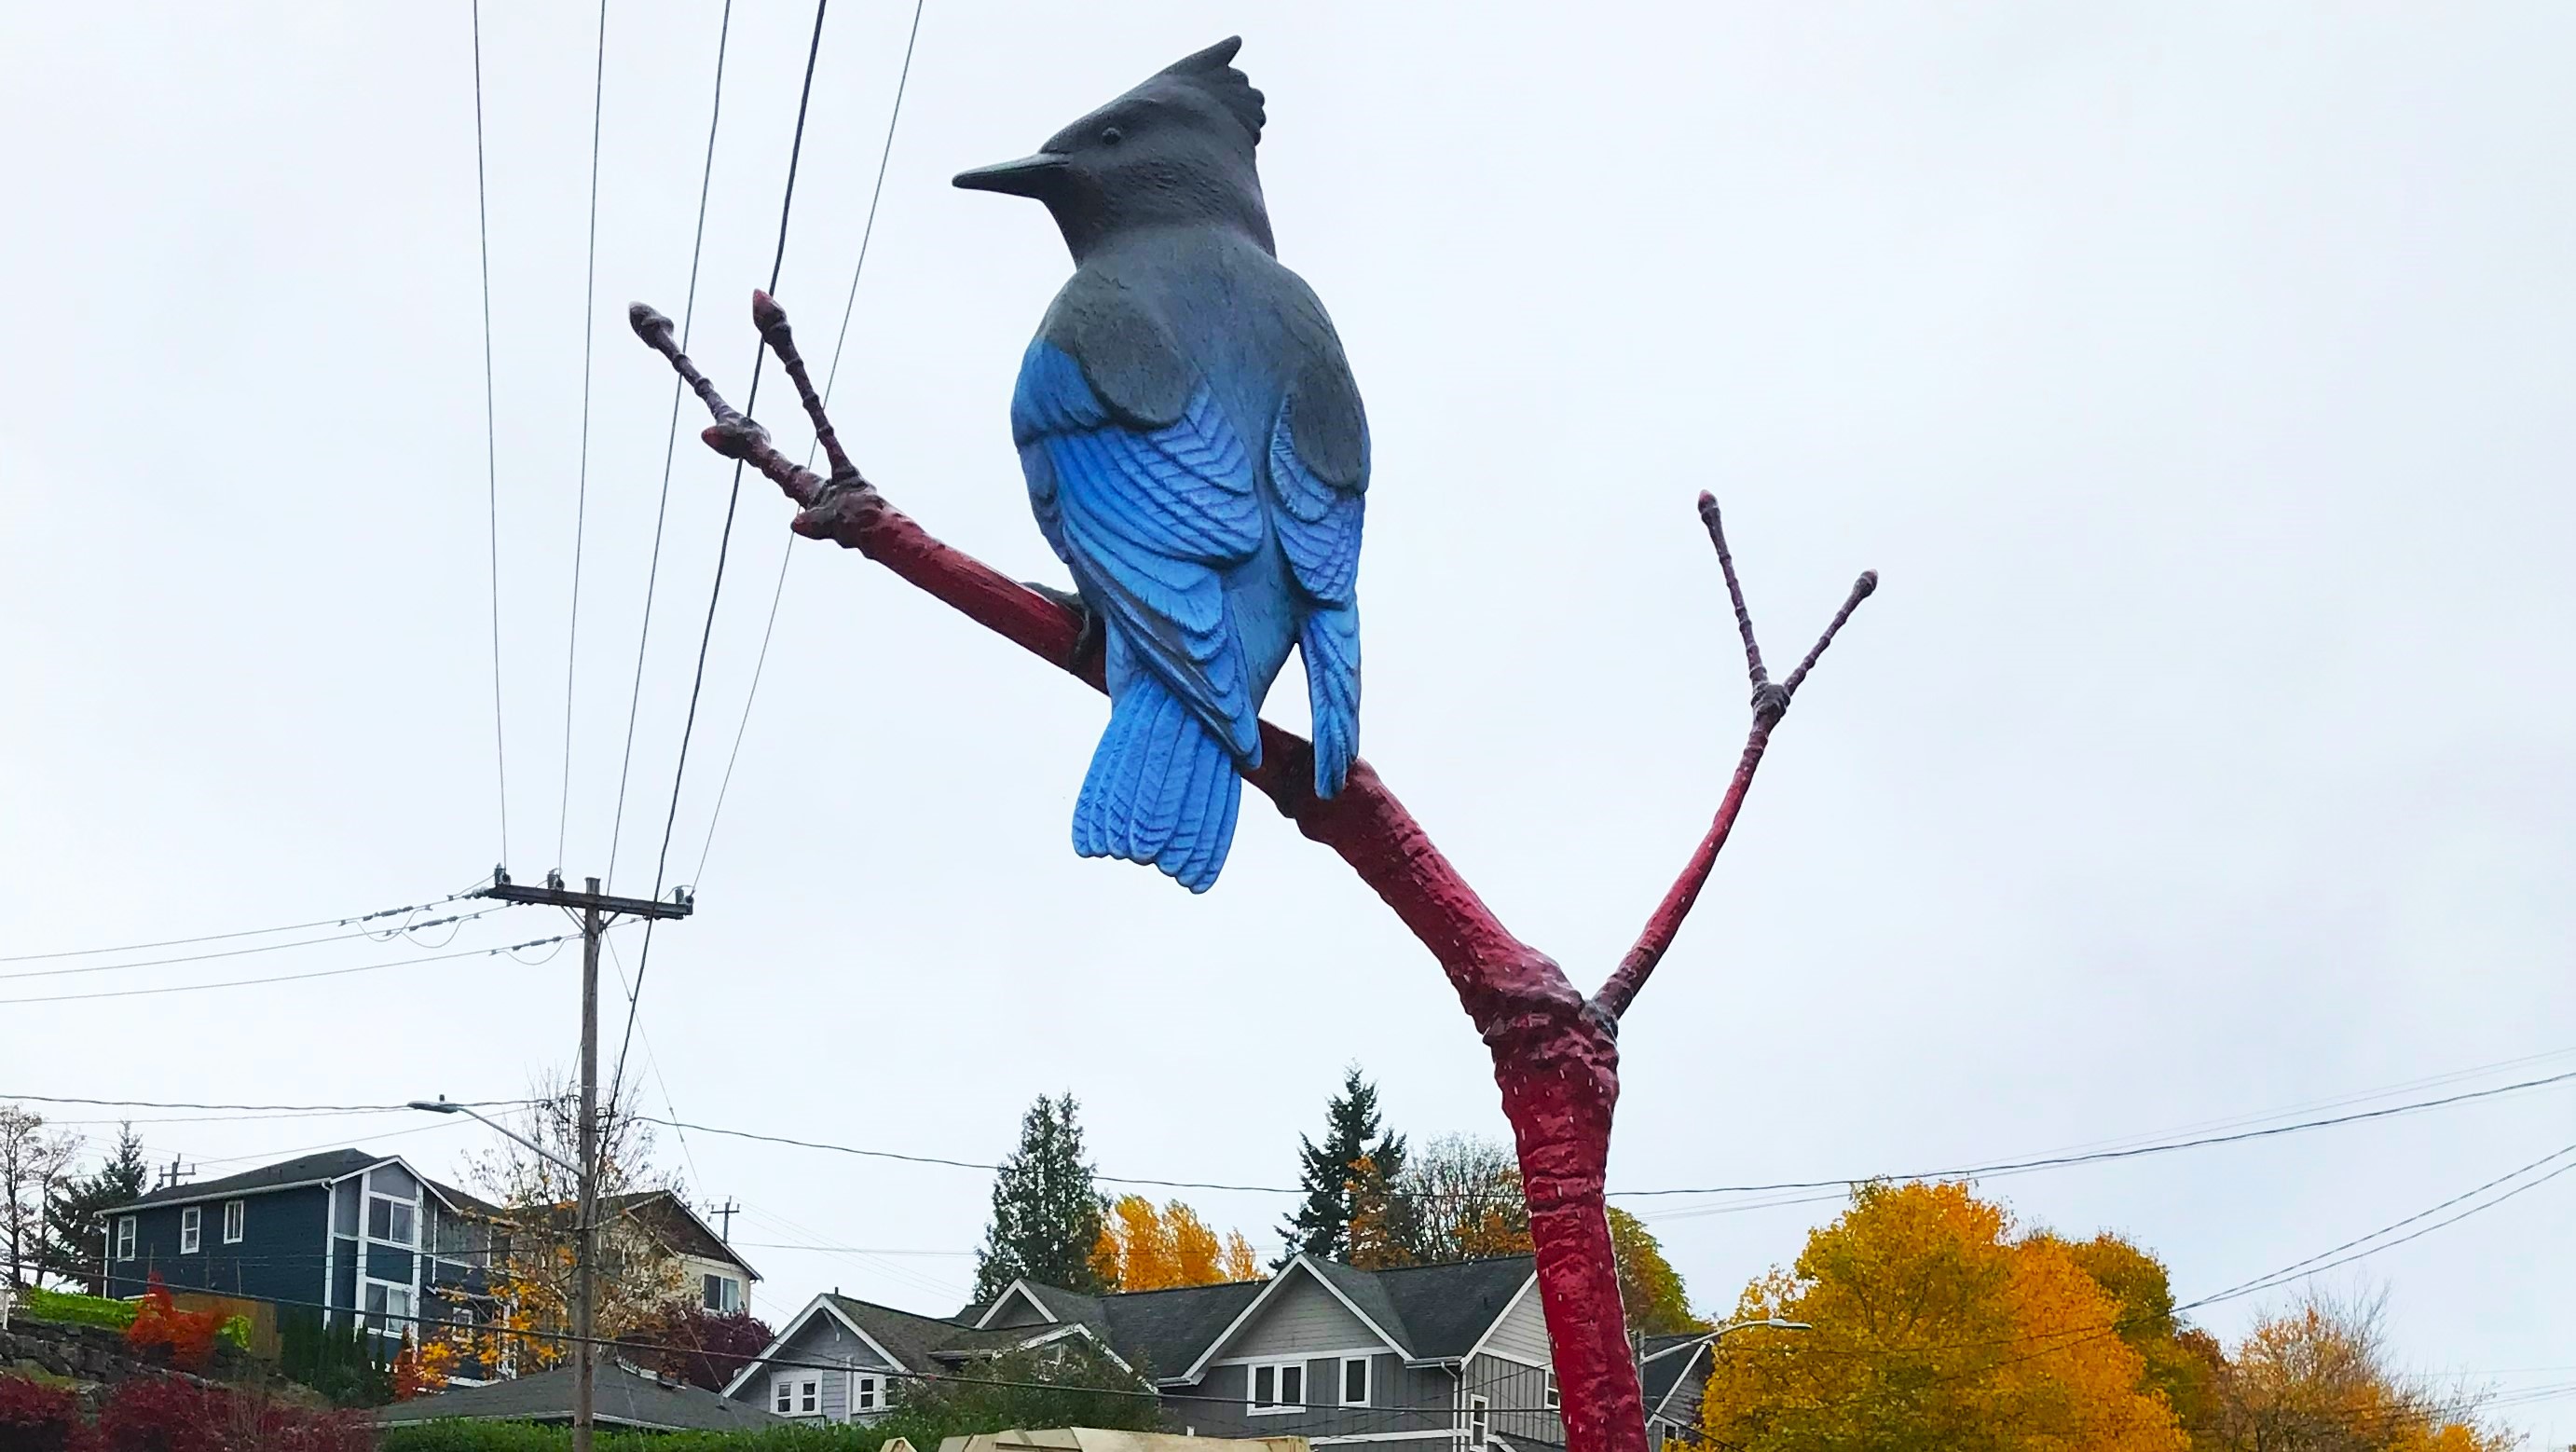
{"x":192,"y":1229}
{"x":1555,"y":1398}
{"x":728,"y":1292}
{"x":234,"y":1215}
{"x":125,"y":1237}
{"x":410,"y":1210}
{"x":796,"y":1394}
{"x":1480,"y":1422}
{"x":387,"y":1319}
{"x":867,"y":1392}
{"x":1368,"y":1379}
{"x":1279,"y":1405}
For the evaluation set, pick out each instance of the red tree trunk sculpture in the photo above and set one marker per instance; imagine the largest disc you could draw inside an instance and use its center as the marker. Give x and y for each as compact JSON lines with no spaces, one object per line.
{"x":1556,"y":1052}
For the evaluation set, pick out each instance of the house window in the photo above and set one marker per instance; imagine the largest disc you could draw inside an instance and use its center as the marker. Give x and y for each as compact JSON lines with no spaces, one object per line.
{"x":867,"y":1393}
{"x":796,"y":1396}
{"x":389,"y":1309}
{"x":192,"y":1223}
{"x":720,"y":1293}
{"x":1279,"y":1387}
{"x":1480,"y":1422}
{"x":125,"y":1237}
{"x":389,"y":1219}
{"x":232,"y":1222}
{"x":1355,"y":1381}
{"x":1554,"y":1400}
{"x":1667,"y":1436}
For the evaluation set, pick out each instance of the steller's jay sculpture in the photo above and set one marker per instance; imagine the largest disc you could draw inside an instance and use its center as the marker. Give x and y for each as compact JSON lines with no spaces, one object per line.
{"x":1195,"y":453}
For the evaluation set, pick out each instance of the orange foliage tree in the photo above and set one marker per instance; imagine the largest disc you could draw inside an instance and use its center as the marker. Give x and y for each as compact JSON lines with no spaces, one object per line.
{"x":189,"y":1336}
{"x":1145,"y":1248}
{"x":1934,"y":1327}
{"x":2317,"y":1378}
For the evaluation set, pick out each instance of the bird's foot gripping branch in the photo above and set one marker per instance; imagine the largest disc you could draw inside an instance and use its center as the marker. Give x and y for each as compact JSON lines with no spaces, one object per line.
{"x":1555,"y":1051}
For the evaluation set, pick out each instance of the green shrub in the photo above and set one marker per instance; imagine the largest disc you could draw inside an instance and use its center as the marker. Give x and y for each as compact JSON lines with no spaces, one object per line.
{"x":68,"y":1308}
{"x":235,"y":1332}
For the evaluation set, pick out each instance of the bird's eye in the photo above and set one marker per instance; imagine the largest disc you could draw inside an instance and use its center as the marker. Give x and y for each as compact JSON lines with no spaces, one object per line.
{"x":1111,"y":136}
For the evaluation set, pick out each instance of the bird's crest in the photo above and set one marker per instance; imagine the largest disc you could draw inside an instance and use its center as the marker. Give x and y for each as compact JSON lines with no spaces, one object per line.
{"x":1213,"y":72}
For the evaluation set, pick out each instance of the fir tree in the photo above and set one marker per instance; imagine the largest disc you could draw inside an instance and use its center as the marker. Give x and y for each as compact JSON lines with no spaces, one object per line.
{"x":1046,"y":1211}
{"x":75,"y":1215}
{"x":1356,"y":1149}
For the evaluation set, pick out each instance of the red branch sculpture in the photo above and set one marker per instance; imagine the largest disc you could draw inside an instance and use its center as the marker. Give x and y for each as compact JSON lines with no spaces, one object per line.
{"x":1556,"y":1052}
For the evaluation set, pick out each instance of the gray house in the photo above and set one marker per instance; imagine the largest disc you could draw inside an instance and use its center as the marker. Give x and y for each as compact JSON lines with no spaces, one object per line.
{"x":1454,"y":1353}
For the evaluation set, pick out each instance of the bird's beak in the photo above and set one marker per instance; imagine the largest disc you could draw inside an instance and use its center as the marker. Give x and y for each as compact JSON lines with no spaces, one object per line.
{"x":1027,"y":177}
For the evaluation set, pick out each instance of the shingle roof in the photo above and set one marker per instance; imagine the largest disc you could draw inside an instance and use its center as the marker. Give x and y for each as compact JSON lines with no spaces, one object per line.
{"x":1162,"y":1332}
{"x":1432,"y":1311}
{"x":676,"y":1224}
{"x":919,"y":1341}
{"x":1446,"y":1308}
{"x":327,"y":1165}
{"x":1663,"y":1371}
{"x":623,"y":1397}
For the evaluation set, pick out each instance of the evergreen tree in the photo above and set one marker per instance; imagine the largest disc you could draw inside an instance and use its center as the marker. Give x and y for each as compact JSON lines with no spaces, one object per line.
{"x":1046,"y":1211}
{"x":1356,"y":1158}
{"x":75,"y":1237}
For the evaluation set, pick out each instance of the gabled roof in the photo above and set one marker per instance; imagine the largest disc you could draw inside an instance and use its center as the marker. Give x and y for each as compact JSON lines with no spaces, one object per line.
{"x":1667,"y":1362}
{"x":678,"y":1226}
{"x":1424,"y":1313}
{"x":623,"y":1397}
{"x":320,"y":1168}
{"x":911,"y":1342}
{"x":1447,"y":1308}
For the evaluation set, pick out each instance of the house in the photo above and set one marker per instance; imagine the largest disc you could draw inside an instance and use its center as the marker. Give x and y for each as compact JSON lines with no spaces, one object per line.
{"x":714,"y":1277}
{"x":1674,"y":1372}
{"x":1454,"y":1353}
{"x":621,"y":1397}
{"x":344,"y":1230}
{"x":349,"y":1230}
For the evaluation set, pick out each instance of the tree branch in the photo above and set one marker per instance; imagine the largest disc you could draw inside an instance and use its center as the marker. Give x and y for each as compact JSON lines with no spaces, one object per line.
{"x":1364,"y":822}
{"x":1770,"y":703}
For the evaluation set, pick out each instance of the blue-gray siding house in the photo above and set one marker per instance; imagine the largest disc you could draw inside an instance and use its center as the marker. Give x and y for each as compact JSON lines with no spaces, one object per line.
{"x":343,"y":1231}
{"x":1452,"y":1354}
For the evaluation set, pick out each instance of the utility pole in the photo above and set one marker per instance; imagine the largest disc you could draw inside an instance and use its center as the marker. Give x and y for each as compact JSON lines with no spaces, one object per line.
{"x":726,"y":1212}
{"x":596,"y":909}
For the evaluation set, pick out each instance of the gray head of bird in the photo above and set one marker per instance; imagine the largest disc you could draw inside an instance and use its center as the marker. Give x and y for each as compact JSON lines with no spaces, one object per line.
{"x":1174,"y":152}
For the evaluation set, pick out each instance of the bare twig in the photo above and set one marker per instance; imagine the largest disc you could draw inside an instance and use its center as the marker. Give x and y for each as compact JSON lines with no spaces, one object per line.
{"x":1770,"y":703}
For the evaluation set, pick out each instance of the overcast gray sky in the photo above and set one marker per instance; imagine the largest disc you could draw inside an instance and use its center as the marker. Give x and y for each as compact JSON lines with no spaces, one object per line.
{"x":2196,"y":376}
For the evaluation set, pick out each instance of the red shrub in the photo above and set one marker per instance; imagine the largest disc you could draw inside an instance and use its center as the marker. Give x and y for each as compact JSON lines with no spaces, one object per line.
{"x":39,"y":1418}
{"x":165,"y":1414}
{"x":190,"y":1335}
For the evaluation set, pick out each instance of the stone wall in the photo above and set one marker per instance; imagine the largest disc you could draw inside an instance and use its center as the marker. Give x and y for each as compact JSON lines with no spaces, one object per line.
{"x":90,"y":1353}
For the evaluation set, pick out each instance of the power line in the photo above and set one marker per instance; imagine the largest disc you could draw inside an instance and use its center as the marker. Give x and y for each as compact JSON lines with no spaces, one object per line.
{"x":242,"y":933}
{"x":831,"y":376}
{"x":581,"y":488}
{"x":383,"y":937}
{"x":512,"y":949}
{"x":670,"y":445}
{"x":724,"y":543}
{"x":2300,"y":1270}
{"x":491,"y":441}
{"x":1963,"y":1173}
{"x":257,"y":1108}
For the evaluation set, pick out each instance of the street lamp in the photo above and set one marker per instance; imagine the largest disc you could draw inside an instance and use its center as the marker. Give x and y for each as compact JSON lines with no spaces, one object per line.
{"x":584,"y":1285}
{"x":1774,"y":1322}
{"x":445,"y":1106}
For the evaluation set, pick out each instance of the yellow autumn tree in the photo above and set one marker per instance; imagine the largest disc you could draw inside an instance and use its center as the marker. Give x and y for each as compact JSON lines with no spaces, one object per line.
{"x":1145,"y":1248}
{"x":2317,"y":1378}
{"x":1933,"y":1328}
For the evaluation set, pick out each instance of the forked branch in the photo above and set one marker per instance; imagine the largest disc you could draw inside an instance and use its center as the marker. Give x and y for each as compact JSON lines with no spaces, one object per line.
{"x":1770,"y":703}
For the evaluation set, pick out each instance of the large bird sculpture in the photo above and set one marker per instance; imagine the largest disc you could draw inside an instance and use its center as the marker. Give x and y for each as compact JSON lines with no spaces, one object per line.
{"x":1195,"y":453}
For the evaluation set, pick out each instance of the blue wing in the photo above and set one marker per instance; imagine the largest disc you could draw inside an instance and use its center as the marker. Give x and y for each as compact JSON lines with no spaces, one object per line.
{"x":1148,"y":520}
{"x":1319,"y":472}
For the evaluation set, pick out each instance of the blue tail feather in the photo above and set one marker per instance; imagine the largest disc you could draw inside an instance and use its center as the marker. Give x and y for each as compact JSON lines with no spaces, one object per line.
{"x":1328,"y":640}
{"x":1161,"y":790}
